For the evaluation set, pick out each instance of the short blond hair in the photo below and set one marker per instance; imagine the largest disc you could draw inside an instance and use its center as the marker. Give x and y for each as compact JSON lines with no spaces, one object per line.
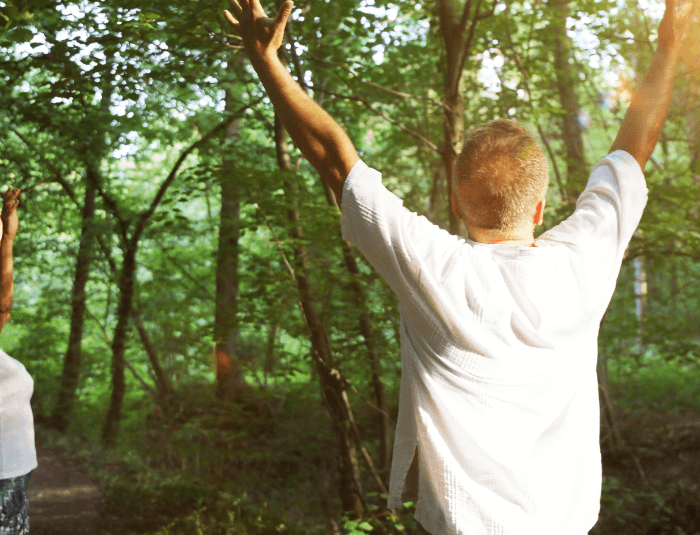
{"x":500,"y":176}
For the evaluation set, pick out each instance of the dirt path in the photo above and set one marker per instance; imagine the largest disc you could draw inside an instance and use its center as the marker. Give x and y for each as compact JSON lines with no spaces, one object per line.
{"x":62,"y":500}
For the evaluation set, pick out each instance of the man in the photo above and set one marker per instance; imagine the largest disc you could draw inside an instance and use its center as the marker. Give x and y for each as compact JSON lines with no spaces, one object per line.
{"x":17,"y":450}
{"x":498,"y":416}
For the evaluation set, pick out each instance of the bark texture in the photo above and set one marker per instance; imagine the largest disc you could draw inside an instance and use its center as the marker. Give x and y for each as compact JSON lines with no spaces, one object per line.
{"x":127,"y":281}
{"x":165,"y":389}
{"x":457,"y":30}
{"x":230,"y":383}
{"x":331,"y":382}
{"x":566,"y":82}
{"x":119,"y":340}
{"x":70,"y":376}
{"x":360,"y":298}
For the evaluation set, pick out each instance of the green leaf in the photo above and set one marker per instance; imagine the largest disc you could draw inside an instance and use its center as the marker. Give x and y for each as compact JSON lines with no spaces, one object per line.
{"x":22,"y":35}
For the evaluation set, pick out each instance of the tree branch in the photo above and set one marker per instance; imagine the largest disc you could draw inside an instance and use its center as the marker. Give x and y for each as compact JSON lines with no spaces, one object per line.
{"x":145,"y":216}
{"x":468,"y":44}
{"x":109,"y":202}
{"x":377,"y":86}
{"x":465,"y":17}
{"x":486,"y":14}
{"x":184,"y":271}
{"x":526,"y":79}
{"x":419,"y":137}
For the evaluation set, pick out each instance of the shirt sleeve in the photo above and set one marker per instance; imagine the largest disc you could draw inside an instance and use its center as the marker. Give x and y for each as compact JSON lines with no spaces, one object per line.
{"x":606,"y":216}
{"x":403,"y":247}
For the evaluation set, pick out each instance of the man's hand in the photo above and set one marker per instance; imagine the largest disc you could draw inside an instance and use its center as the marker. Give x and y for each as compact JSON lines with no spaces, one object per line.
{"x":262,"y":36}
{"x":8,"y":218}
{"x":646,"y":115}
{"x":319,"y":138}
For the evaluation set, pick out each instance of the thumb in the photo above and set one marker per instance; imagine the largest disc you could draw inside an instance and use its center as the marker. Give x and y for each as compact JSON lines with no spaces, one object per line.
{"x":283,"y":13}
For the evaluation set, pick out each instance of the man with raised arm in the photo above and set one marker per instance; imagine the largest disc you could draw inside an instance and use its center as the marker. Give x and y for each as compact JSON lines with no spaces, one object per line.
{"x":498,"y":427}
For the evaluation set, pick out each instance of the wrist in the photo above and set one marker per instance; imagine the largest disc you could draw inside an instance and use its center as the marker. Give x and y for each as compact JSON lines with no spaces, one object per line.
{"x":264,"y":61}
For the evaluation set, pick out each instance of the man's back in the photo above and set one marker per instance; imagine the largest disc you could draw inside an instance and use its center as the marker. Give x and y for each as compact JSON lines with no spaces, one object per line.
{"x":499,"y":343}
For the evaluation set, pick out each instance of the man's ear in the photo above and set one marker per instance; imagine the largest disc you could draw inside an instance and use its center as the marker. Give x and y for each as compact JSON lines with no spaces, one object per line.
{"x":539,"y":212}
{"x":455,"y":206}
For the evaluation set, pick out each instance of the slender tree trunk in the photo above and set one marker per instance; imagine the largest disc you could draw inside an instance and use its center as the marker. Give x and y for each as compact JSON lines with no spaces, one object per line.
{"x":230,"y":383}
{"x":269,"y":364}
{"x":360,"y":297}
{"x":331,"y":382}
{"x":609,"y":434}
{"x":165,"y":389}
{"x":63,"y":410}
{"x":119,"y":341}
{"x":383,"y":424}
{"x":454,"y":136}
{"x":567,"y":81}
{"x":640,"y":296}
{"x":127,"y":281}
{"x":453,"y":122}
{"x":457,"y":30}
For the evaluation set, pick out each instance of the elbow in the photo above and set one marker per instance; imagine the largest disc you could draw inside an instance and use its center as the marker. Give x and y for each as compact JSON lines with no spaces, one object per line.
{"x":638,"y":150}
{"x":4,"y":318}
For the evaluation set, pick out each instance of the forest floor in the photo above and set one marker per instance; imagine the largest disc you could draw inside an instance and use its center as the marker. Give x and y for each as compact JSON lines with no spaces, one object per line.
{"x":667,"y":449}
{"x":655,"y":476}
{"x":268,"y":478}
{"x":62,"y":499}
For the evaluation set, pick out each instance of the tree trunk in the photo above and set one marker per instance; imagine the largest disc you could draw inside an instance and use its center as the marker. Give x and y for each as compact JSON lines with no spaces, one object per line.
{"x":332,"y":384}
{"x":230,"y":383}
{"x":126,"y":297}
{"x":382,"y":417}
{"x":566,"y":82}
{"x":63,"y":410}
{"x":454,"y":135}
{"x":640,"y":296}
{"x":165,"y":389}
{"x":127,"y":282}
{"x":457,"y":31}
{"x":269,"y":364}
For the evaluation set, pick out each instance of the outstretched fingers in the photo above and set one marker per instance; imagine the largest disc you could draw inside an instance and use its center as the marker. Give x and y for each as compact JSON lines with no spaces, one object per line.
{"x":283,"y":13}
{"x":231,"y":20}
{"x":11,"y":198}
{"x":258,"y":11}
{"x":237,"y":11}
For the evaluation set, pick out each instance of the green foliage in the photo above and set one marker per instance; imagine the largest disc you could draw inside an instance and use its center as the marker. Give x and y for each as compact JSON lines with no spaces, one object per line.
{"x":662,"y":508}
{"x":121,"y":89}
{"x":357,"y":527}
{"x":648,"y":382}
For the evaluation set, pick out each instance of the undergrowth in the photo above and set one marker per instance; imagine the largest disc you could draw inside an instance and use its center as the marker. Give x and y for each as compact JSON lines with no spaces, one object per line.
{"x":205,"y":467}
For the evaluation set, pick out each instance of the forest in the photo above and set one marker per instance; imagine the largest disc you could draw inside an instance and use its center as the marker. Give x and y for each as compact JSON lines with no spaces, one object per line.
{"x":203,"y":342}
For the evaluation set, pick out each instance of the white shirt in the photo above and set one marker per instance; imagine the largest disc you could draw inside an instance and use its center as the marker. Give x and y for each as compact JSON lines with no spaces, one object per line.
{"x":499,"y":391}
{"x":17,"y":449}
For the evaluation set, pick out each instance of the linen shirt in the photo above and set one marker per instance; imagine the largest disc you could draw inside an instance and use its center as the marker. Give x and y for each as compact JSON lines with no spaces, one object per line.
{"x":499,"y":396}
{"x":17,"y":449}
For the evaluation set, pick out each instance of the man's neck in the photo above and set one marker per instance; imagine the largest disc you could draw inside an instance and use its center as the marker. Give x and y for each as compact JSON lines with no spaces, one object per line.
{"x":519,"y":236}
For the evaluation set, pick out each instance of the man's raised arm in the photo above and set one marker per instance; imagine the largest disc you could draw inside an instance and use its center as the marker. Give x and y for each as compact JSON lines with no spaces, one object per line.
{"x":319,"y":138}
{"x":646,"y":115}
